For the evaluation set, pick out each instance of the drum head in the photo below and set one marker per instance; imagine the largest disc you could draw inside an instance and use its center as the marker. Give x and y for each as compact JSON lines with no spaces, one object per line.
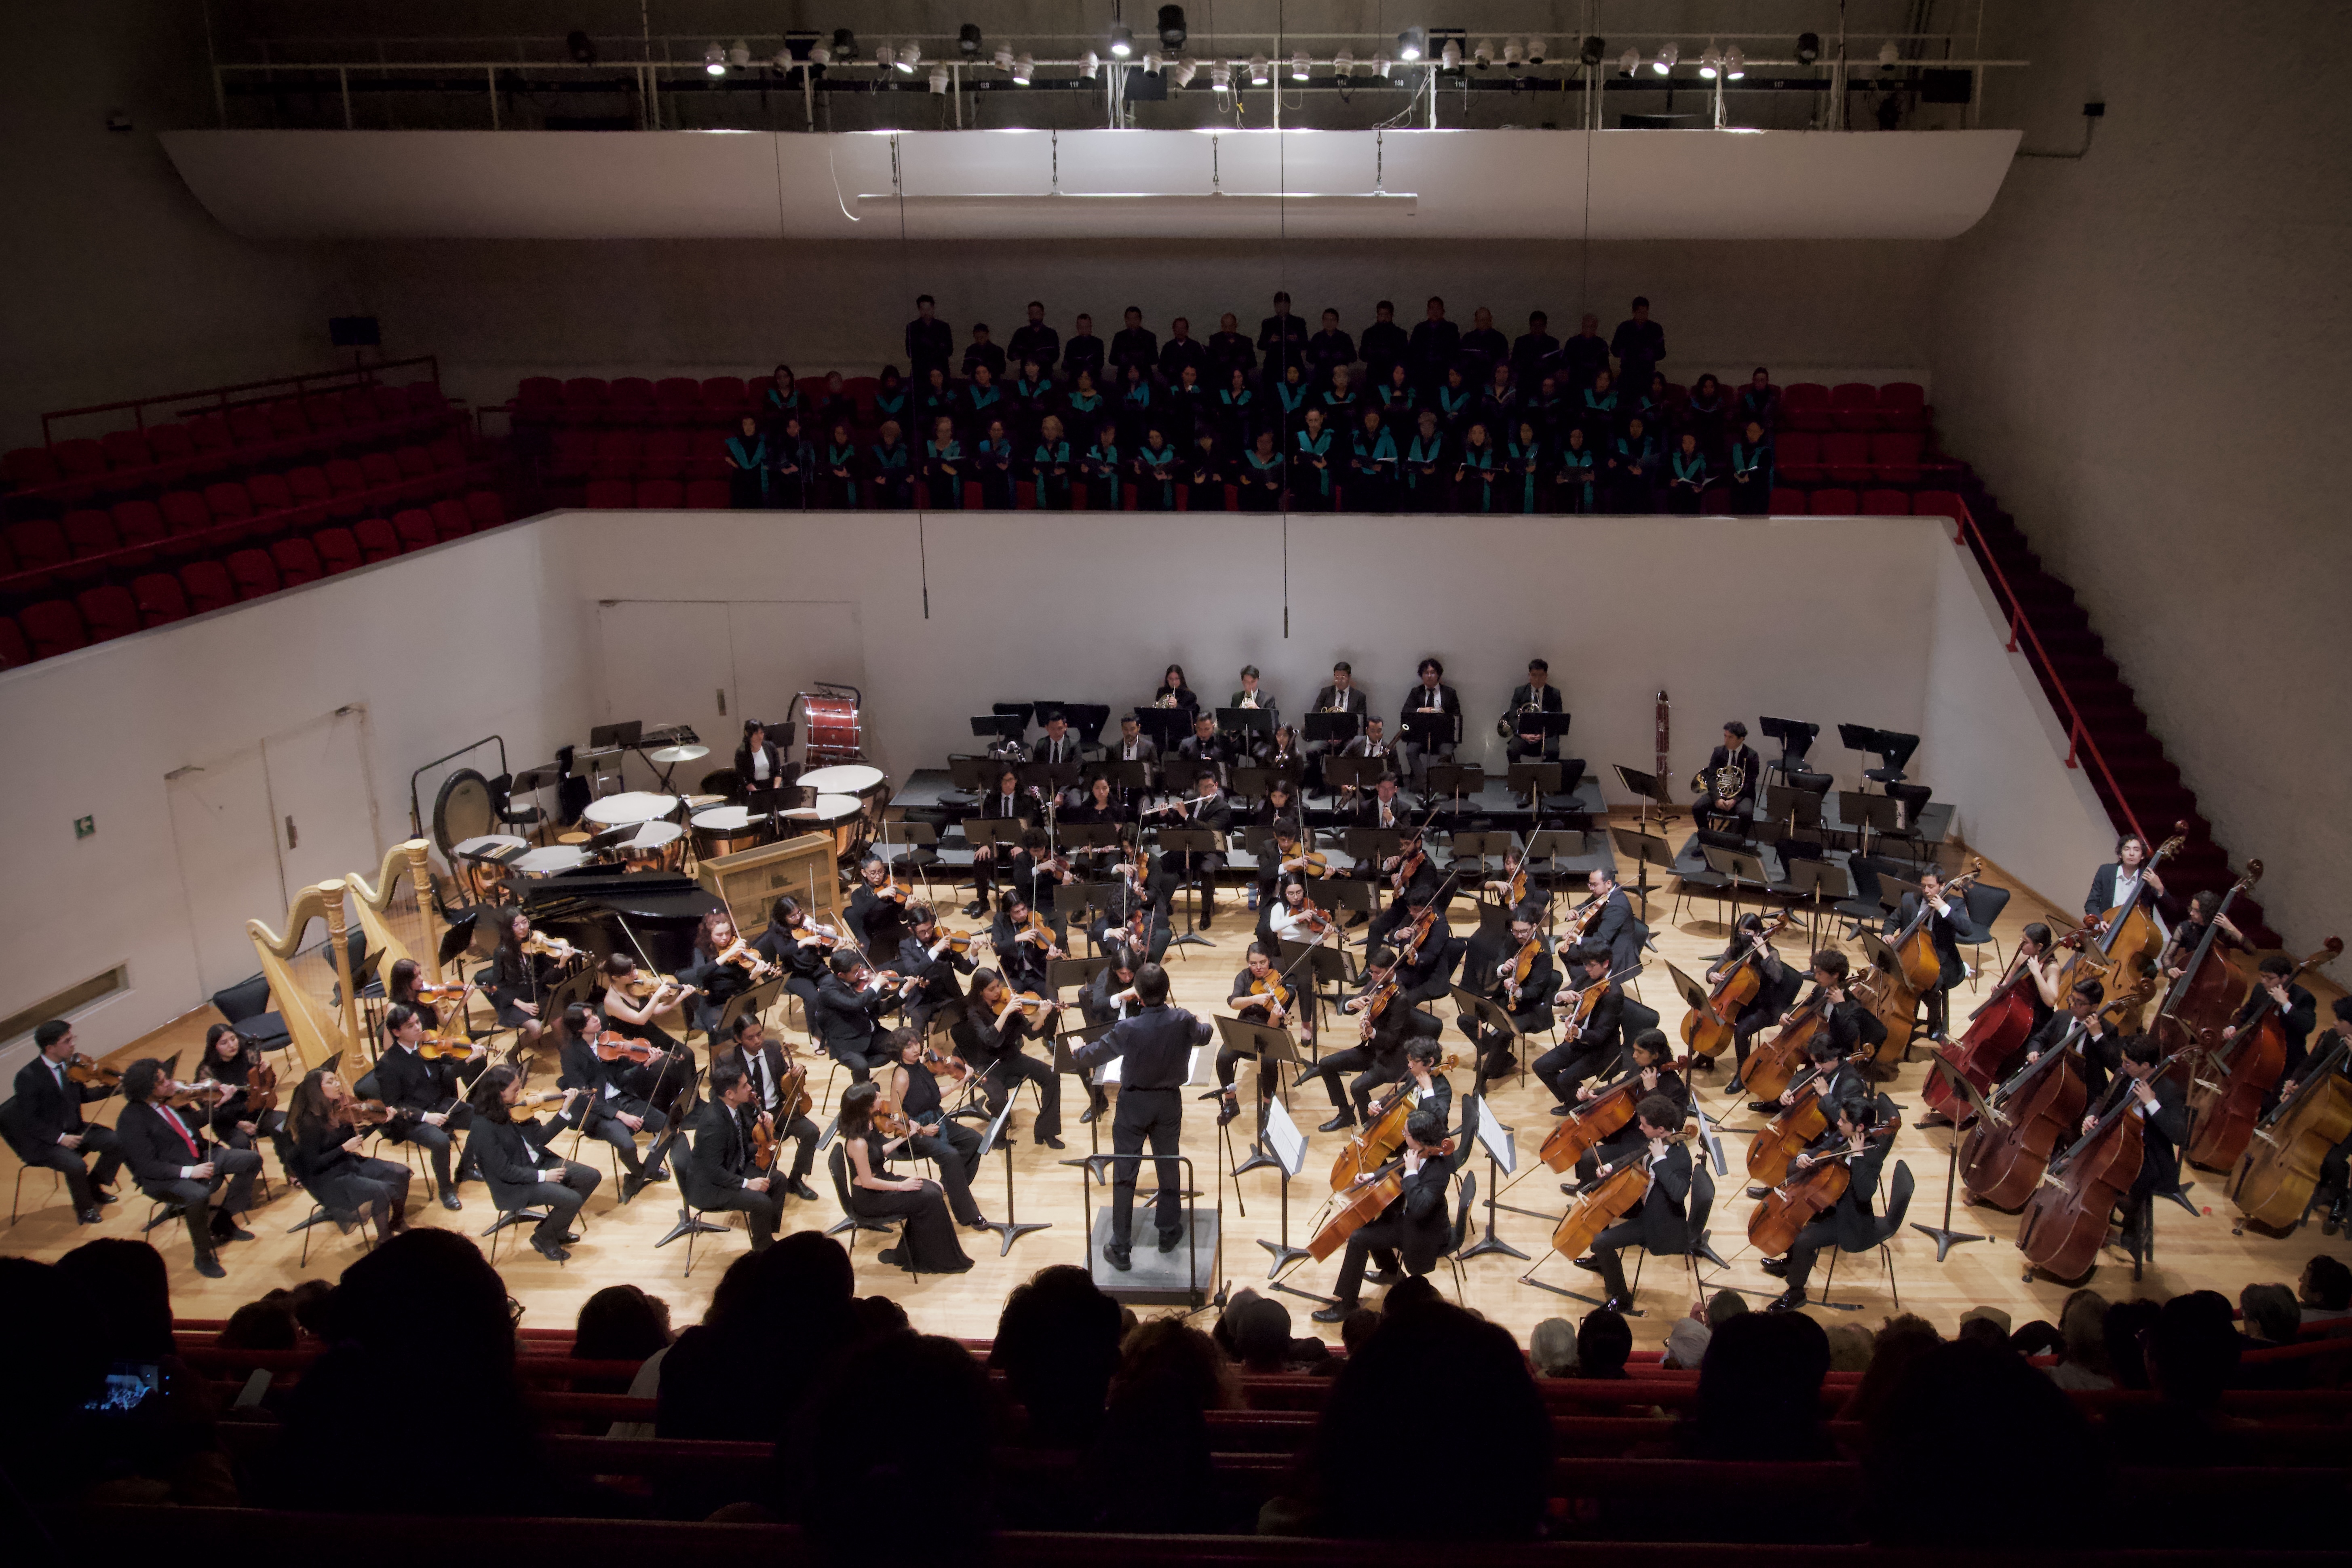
{"x":464,"y":808}
{"x":845,"y":778}
{"x":835,"y":808}
{"x":723,"y":819}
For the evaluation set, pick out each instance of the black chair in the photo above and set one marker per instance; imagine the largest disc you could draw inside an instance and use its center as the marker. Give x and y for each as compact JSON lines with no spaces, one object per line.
{"x":836,"y":1162}
{"x":1898,"y":1203}
{"x":8,"y":1133}
{"x":524,"y":820}
{"x":246,"y":1004}
{"x":320,"y":1214}
{"x":1985,"y":903}
{"x":1459,"y":1236}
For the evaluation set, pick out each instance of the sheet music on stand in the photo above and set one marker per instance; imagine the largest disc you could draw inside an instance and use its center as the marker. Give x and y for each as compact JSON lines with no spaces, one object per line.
{"x":1107,"y":1075}
{"x":1282,"y":1136}
{"x":1496,"y":1140}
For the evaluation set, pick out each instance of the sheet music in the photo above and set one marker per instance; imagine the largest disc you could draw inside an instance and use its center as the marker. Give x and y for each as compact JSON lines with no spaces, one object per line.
{"x":1496,"y":1139}
{"x":1107,"y":1074}
{"x":1282,"y":1136}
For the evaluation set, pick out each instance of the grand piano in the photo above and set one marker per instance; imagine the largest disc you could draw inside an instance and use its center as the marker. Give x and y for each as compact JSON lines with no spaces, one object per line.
{"x":601,"y":911}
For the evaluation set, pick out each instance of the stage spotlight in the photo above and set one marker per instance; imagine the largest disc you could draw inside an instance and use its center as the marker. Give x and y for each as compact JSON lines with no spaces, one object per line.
{"x":819,"y":55}
{"x":1483,"y":54}
{"x":1004,"y":58}
{"x":1381,"y":66}
{"x":1735,"y":64}
{"x":1664,"y":64}
{"x":1594,"y":51}
{"x":885,"y":56}
{"x":1024,"y":69}
{"x":1536,"y":49}
{"x":1151,"y":62}
{"x":910,"y":54}
{"x":939,"y":78}
{"x":739,"y":56}
{"x":1888,"y":54}
{"x":1630,"y":61}
{"x":1221,"y":76}
{"x":582,"y":47}
{"x":1809,"y":48}
{"x":1298,"y":66}
{"x":714,"y":61}
{"x":1185,"y":71}
{"x":1257,"y":70}
{"x":1344,"y":63}
{"x":1412,"y":44}
{"x":1122,"y":42}
{"x":1088,"y":65}
{"x":1513,"y":51}
{"x":1450,"y":57}
{"x":968,"y":41}
{"x":844,"y":46}
{"x":1710,"y":63}
{"x":1172,"y":32}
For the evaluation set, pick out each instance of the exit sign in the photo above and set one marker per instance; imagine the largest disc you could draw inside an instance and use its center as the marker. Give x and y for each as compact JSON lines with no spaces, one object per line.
{"x":84,"y":826}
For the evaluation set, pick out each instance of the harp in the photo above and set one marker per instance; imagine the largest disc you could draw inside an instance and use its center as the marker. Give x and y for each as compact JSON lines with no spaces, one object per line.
{"x":398,"y":912}
{"x":310,"y":980}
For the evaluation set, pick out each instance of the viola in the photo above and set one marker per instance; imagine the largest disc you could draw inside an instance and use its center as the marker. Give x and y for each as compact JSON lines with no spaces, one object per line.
{"x":186,"y":1094}
{"x":764,"y":1143}
{"x":1523,"y":962}
{"x":1382,"y":1134}
{"x":1035,"y":929}
{"x":1996,"y":1032}
{"x":2066,"y":1219}
{"x":611,"y":1048}
{"x":941,"y":1066}
{"x":643,"y":986}
{"x":2275,"y":1177}
{"x":359,"y":1113}
{"x":1708,"y":1033}
{"x":807,"y":935}
{"x":1313,"y":862}
{"x":741,"y":953}
{"x":1271,"y":989}
{"x":2229,"y":1086}
{"x":954,"y":943}
{"x":540,"y":945}
{"x":84,"y":1070}
{"x":1408,"y":864}
{"x":890,"y":1122}
{"x":260,"y":1090}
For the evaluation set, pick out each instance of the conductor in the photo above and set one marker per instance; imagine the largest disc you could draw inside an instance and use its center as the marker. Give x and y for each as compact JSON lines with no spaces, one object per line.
{"x":1155,"y":1047}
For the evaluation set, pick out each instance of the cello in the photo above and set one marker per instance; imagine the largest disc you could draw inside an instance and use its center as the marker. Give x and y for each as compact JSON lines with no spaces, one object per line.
{"x":2277,"y":1175}
{"x":1789,"y":1133}
{"x":2229,"y":1085}
{"x":1888,"y":997}
{"x":1363,"y":1203}
{"x":1773,"y":1065}
{"x":1382,"y":1134}
{"x":2130,"y":942}
{"x":2004,"y":1155}
{"x":2066,"y":1219}
{"x":1609,"y":1197}
{"x":1796,"y":1202}
{"x":1599,"y":1119}
{"x":1708,"y":1033}
{"x":2200,"y":1005}
{"x":1996,"y":1031}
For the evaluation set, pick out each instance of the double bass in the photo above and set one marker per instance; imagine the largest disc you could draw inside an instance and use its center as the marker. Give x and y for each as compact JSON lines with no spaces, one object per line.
{"x":1708,"y":1032}
{"x":1921,"y":966}
{"x":1996,"y":1032}
{"x":2228,"y":1085}
{"x":2274,"y":1179}
{"x":2200,"y":1005}
{"x":2130,"y":942}
{"x":2004,"y":1155}
{"x":2066,"y":1218}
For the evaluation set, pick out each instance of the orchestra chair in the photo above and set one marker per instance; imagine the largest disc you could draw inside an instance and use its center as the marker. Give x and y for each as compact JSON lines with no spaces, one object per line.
{"x":521,"y":1213}
{"x":410,"y":1150}
{"x":755,"y":1001}
{"x":836,"y":1162}
{"x":1702,"y":1203}
{"x":160,"y":1211}
{"x":1462,"y":1235}
{"x":1984,"y":903}
{"x":1898,"y":1203}
{"x":24,"y":1166}
{"x":320,"y":1214}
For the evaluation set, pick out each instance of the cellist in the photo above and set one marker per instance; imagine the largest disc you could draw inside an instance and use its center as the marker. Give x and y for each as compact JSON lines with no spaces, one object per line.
{"x":1661,"y":1225}
{"x":1777,"y":988}
{"x":1849,"y":1221}
{"x":1948,"y":927}
{"x":2334,"y":1056}
{"x":1588,"y":1047}
{"x":2163,"y":1108}
{"x":1651,"y":1066}
{"x":1412,"y":1229}
{"x":1528,"y":1001}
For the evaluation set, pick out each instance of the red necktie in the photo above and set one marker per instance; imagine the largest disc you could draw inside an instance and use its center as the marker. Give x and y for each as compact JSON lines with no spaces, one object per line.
{"x":181,"y":1128}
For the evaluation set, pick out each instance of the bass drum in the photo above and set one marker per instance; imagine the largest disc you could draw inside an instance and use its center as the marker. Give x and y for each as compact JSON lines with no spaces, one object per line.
{"x":463,"y":809}
{"x":833,"y":730}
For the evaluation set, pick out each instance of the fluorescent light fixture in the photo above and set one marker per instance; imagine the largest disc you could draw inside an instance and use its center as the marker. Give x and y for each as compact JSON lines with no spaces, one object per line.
{"x":1664,"y":64}
{"x":1412,"y":44}
{"x":1122,"y":42}
{"x":714,"y":61}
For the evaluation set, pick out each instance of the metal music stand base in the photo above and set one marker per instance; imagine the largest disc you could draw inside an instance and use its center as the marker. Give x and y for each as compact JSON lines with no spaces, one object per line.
{"x":1009,"y":1228}
{"x":1284,"y":1253}
{"x":1944,"y":1236}
{"x":1490,"y":1242}
{"x":1530,"y":1279}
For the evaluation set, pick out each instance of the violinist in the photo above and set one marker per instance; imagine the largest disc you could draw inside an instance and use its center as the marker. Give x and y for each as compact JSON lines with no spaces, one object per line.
{"x":1154,"y":1050}
{"x":1948,"y":927}
{"x":1377,"y":1058}
{"x":520,"y":977}
{"x":1537,"y":696}
{"x":878,"y":911}
{"x":927,"y":1242}
{"x":1661,"y":1227}
{"x":444,"y":1007}
{"x":930,"y":961}
{"x":330,"y":1159}
{"x":759,"y":767}
{"x":1208,"y":811}
{"x":1412,"y":1230}
{"x":606,"y":1109}
{"x":1105,"y":999}
{"x":1777,"y":987}
{"x":1527,"y":999}
{"x":1141,"y":930}
{"x":2204,"y":914}
{"x":623,"y":1005}
{"x":1431,"y":696}
{"x":794,"y":944}
{"x":2163,"y":1108}
{"x":2296,"y":1009}
{"x":2332,"y":1054}
{"x":46,"y":1126}
{"x":521,"y":1172}
{"x":173,"y":1162}
{"x":846,"y":1018}
{"x":426,"y":1097}
{"x":1587,"y":1049}
{"x":2124,"y":882}
{"x":952,"y":1147}
{"x":990,"y":1037}
{"x":715,"y":977}
{"x":1723,"y":807}
{"x":1424,"y":975}
{"x":1293,"y":918}
{"x":1253,"y":1001}
{"x":1023,"y":943}
{"x":1851,"y":1224}
{"x":1288,"y":860}
{"x":230,"y":1058}
{"x":1411,"y":872}
{"x":720,"y":1175}
{"x":1613,"y":925}
{"x":1006,"y":803}
{"x":764,"y":1066}
{"x":1036,"y":871}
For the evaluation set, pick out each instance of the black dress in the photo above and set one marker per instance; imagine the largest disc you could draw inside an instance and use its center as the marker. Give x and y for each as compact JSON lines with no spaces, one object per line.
{"x":927,"y":1245}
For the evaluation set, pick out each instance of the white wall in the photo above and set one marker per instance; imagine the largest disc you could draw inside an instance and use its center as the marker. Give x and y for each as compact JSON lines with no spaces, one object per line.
{"x":497,"y":635}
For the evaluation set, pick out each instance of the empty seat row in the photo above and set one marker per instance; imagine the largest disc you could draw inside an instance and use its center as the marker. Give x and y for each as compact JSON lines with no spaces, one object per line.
{"x":157,"y":598}
{"x":635,"y":400}
{"x":214,"y":443}
{"x":1854,"y":406}
{"x":1851,"y":457}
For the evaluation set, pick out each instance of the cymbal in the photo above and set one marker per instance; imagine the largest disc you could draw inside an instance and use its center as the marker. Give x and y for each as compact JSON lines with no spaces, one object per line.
{"x":669,"y":754}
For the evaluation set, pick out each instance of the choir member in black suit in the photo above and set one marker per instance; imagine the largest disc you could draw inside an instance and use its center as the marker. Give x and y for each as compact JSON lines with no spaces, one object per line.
{"x":765,"y":1067}
{"x":1851,"y":1226}
{"x":720,"y":1172}
{"x":1726,"y":808}
{"x":1413,"y":1229}
{"x":46,"y":1126}
{"x":426,"y":1097}
{"x":1661,"y":1227}
{"x":926,"y":1241}
{"x":1033,"y":339}
{"x":1540,"y":694}
{"x":1282,"y":338}
{"x":514,"y":1161}
{"x":173,"y":1162}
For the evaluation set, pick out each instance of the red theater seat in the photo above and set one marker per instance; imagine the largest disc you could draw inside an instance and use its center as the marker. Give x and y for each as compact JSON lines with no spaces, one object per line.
{"x":381,"y":470}
{"x":91,"y":534}
{"x":1805,"y":405}
{"x":1833,"y":503}
{"x":160,"y":597}
{"x":38,"y":544}
{"x":584,"y":399}
{"x":725,"y":397}
{"x":1853,"y":406}
{"x":660,"y":495}
{"x":29,"y":467}
{"x":253,"y":574}
{"x":1886,"y":503}
{"x":1846,"y":457}
{"x":415,"y":526}
{"x":664,"y":455}
{"x":706,"y":495}
{"x":486,"y":509}
{"x":126,"y":450}
{"x":678,"y":399}
{"x":1894,"y":456}
{"x":571,"y":455}
{"x":228,"y":501}
{"x":611,"y":495}
{"x":450,"y":521}
{"x":14,"y":649}
{"x":1797,"y":458}
{"x":338,"y":550}
{"x":183,"y":511}
{"x":1935,"y":503}
{"x":138,"y":523}
{"x":110,"y":612}
{"x":1903,"y":406}
{"x":617,"y":454}
{"x":377,"y":541}
{"x":309,"y":488}
{"x":1788,"y":503}
{"x":52,"y":627}
{"x":295,"y":561}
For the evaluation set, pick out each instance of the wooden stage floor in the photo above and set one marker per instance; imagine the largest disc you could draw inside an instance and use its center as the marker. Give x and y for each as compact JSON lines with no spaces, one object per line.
{"x":2191,"y":1252}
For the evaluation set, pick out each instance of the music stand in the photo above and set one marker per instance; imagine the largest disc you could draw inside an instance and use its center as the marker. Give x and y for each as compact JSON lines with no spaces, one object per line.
{"x":1011,"y":1228}
{"x":1428,"y":731}
{"x":605,"y":737}
{"x":1651,"y":790}
{"x":969,"y":772}
{"x":1893,"y":748}
{"x":1354,"y":773}
{"x":1502,"y":1159}
{"x":1021,"y":712}
{"x":1332,"y":729}
{"x":1694,"y":995}
{"x":1646,"y":852}
{"x":1268,"y":1046}
{"x":1051,"y":777}
{"x":1552,"y":727}
{"x":1741,"y":868}
{"x":1087,"y":720}
{"x":1477,"y":846}
{"x":1554,"y":843}
{"x":1533,"y":780}
{"x":1455,"y":779}
{"x":1166,"y":726}
{"x":1065,"y":972}
{"x":996,"y":829}
{"x":1825,"y":883}
{"x":1127,"y":778}
{"x":999,"y":726}
{"x":1796,"y":738}
{"x":1193,"y":842}
{"x":1289,"y":1148}
{"x":1944,"y":1236}
{"x":1860,"y":815}
{"x":1258,"y":721}
{"x":1876,"y":948}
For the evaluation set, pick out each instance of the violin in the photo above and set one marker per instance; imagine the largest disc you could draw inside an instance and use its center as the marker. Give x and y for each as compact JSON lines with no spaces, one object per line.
{"x":359,"y":1113}
{"x":186,"y":1094}
{"x":1271,"y":989}
{"x":1033,"y":1006}
{"x":1314,"y":918}
{"x":890,"y":1122}
{"x":764,"y":1143}
{"x":83,"y":1069}
{"x":2229,"y":1088}
{"x":807,"y":934}
{"x":613,"y":1048}
{"x":433,"y":1048}
{"x":741,"y":953}
{"x":425,"y":992}
{"x":643,"y":986}
{"x":1383,"y":1134}
{"x":2275,"y":1177}
{"x":1313,"y":862}
{"x":1410,"y":860}
{"x":894,"y":892}
{"x":1523,"y":963}
{"x":1708,"y":1032}
{"x":261,"y":1088}
{"x":1996,"y":1031}
{"x":540,"y":945}
{"x":1035,"y":929}
{"x":2066,"y":1218}
{"x":943,"y":1065}
{"x":1362,"y":1204}
{"x":954,"y":943}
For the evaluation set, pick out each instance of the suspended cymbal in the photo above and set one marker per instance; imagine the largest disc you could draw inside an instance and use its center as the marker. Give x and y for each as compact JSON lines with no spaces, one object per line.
{"x":669,"y":754}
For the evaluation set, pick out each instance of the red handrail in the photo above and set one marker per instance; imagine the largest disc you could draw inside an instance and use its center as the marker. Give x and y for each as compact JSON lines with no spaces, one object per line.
{"x":2078,"y":734}
{"x":223,"y":398}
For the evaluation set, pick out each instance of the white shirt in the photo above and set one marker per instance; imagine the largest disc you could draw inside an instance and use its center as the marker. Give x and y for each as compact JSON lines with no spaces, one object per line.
{"x":1287,"y":922}
{"x":760,"y":766}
